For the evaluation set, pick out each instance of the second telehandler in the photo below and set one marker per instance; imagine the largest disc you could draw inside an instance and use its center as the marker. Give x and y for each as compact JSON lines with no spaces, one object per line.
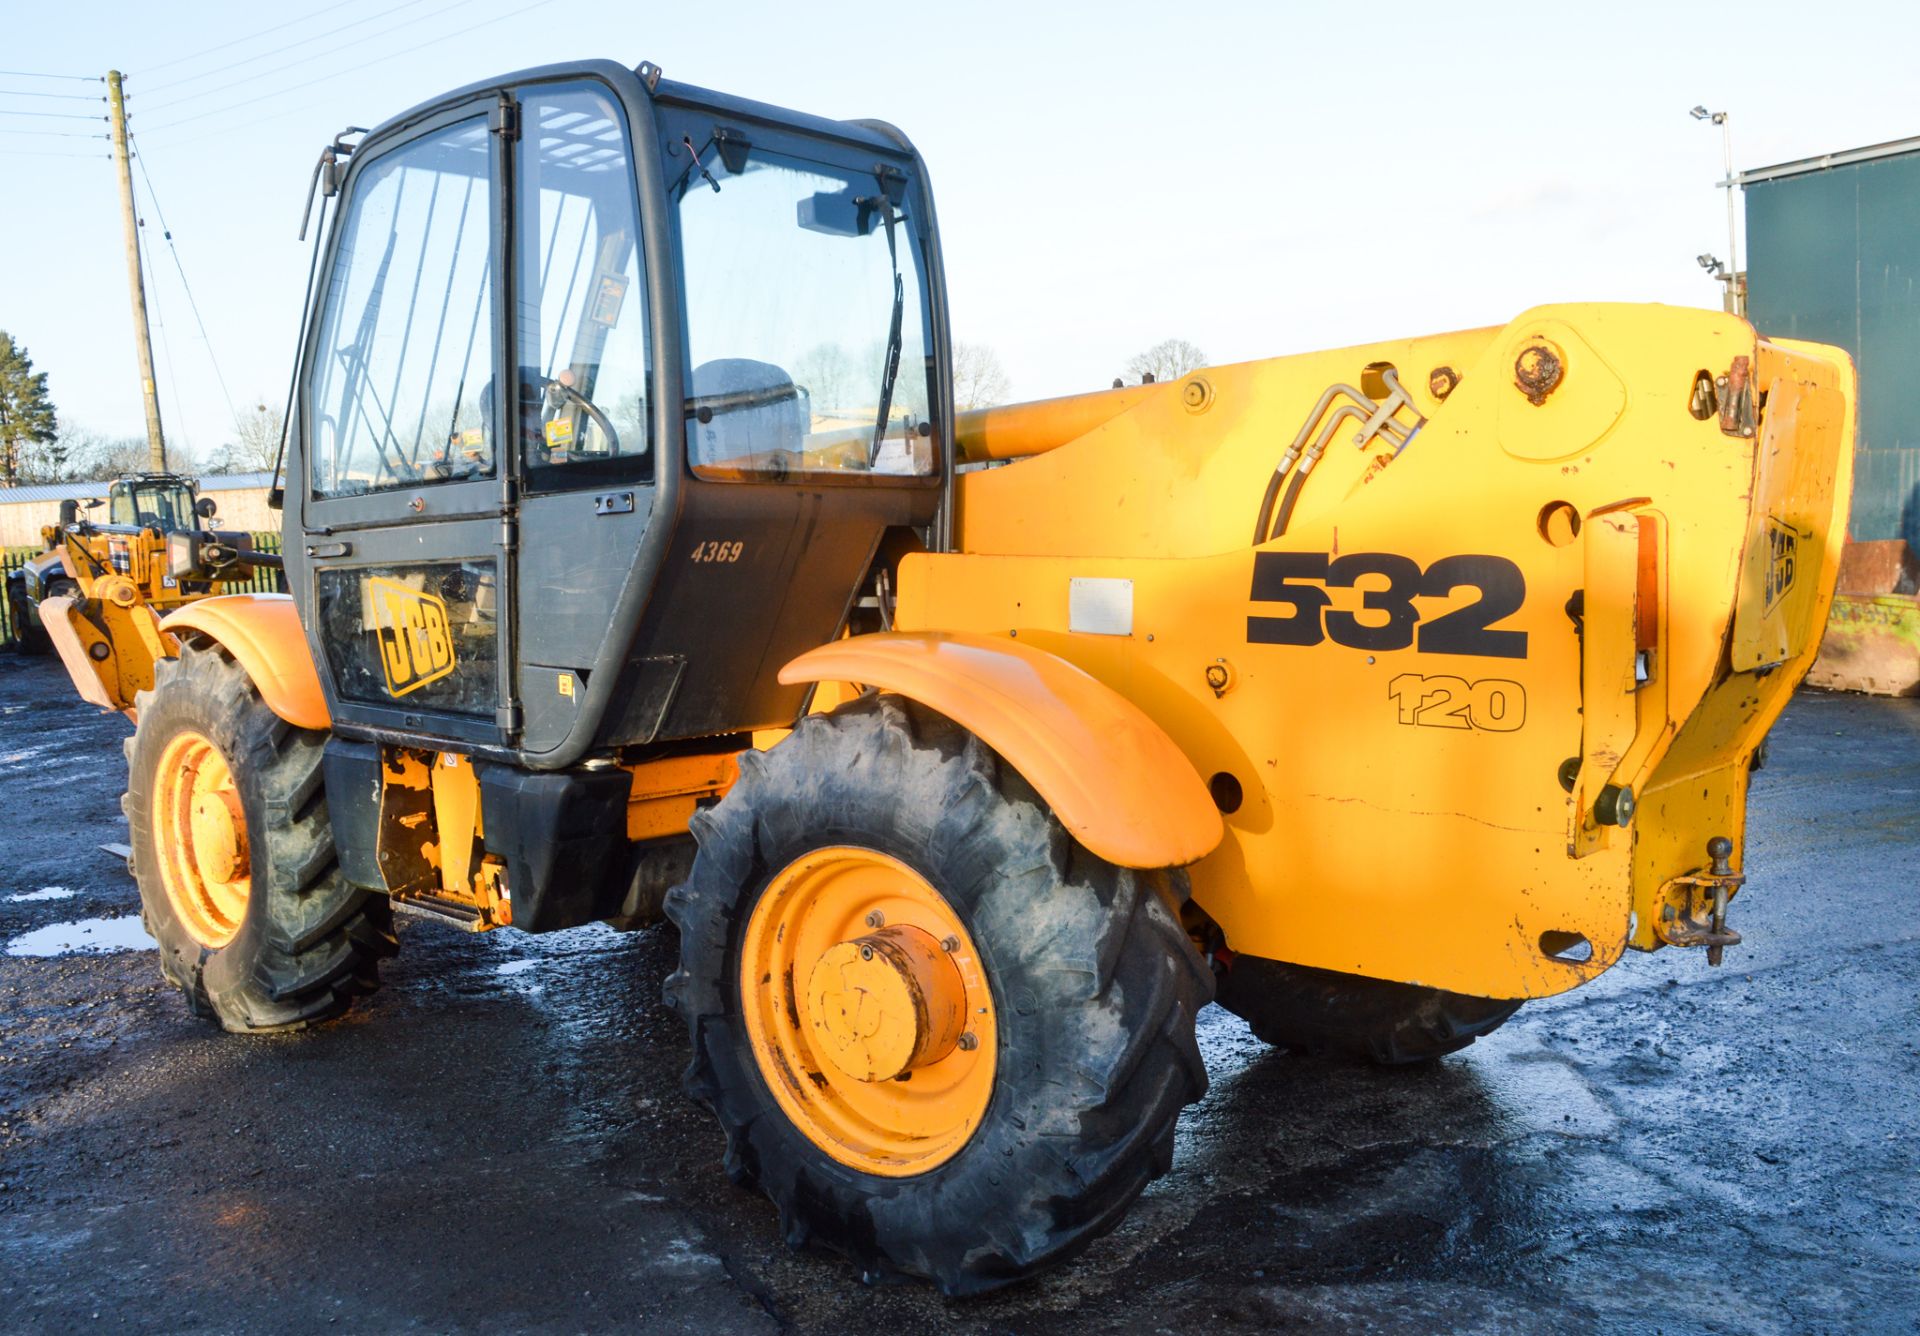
{"x":636,"y":569}
{"x":97,"y":590}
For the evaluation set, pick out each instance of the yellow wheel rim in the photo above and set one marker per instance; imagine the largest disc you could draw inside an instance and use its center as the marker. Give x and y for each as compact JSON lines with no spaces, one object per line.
{"x":200,"y":838}
{"x":868,"y":1010}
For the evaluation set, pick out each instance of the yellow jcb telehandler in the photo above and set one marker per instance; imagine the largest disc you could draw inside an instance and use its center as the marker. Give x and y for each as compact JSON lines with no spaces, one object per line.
{"x":640,"y":566}
{"x":97,"y":590}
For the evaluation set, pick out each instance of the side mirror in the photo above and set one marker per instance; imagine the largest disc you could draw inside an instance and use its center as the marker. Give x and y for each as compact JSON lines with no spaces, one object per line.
{"x":94,"y":503}
{"x":204,"y":507}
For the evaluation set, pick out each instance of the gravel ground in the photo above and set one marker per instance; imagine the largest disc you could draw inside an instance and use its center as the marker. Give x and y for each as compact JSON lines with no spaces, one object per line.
{"x":498,"y":1141}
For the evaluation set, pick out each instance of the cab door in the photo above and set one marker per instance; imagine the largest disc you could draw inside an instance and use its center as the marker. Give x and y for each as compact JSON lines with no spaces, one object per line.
{"x":406,"y":511}
{"x":585,"y":380}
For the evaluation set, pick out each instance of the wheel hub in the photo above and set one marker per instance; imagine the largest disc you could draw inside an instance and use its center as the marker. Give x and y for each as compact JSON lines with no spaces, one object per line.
{"x":886,"y":1003}
{"x":200,"y":839}
{"x":220,"y":835}
{"x":868,"y":1009}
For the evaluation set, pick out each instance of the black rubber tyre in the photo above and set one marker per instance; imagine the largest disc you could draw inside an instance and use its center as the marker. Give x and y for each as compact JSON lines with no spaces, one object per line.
{"x":24,"y":628}
{"x":1096,"y":989}
{"x":1393,"y":1024}
{"x":310,"y":942}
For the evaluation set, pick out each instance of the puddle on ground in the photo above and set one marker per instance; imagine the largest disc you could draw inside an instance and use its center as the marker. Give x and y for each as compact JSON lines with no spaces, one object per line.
{"x":512,"y":967}
{"x":84,"y":937}
{"x":44,"y":893}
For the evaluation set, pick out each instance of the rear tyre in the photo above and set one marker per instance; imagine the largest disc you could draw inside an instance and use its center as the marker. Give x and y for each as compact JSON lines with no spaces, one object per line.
{"x":239,"y":883}
{"x":1078,"y":1000}
{"x":1393,"y":1024}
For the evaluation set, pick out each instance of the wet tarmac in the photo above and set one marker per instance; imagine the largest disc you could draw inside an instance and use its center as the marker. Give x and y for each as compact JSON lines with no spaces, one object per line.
{"x":498,"y":1140}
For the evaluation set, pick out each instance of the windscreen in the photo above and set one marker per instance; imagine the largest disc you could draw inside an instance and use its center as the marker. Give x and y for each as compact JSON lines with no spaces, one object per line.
{"x":806,"y":319}
{"x":401,"y":393}
{"x":154,"y":505}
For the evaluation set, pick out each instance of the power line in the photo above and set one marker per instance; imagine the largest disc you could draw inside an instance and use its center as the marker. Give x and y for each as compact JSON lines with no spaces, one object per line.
{"x":359,"y":39}
{"x":56,"y":134}
{"x":36,"y":74}
{"x":225,"y":132}
{"x":61,"y":115}
{"x":515,"y":12}
{"x":63,"y":97}
{"x":47,"y":153}
{"x":248,"y":60}
{"x":264,"y":32}
{"x":185,"y":286}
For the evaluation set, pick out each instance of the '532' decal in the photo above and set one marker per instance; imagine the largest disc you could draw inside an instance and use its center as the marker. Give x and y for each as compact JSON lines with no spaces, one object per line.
{"x":1388,"y":619}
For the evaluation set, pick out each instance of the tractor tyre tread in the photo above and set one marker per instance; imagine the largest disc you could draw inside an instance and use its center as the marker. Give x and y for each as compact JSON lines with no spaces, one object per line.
{"x":24,"y":629}
{"x":1096,"y":991}
{"x":1304,"y":1009}
{"x":311,"y":941}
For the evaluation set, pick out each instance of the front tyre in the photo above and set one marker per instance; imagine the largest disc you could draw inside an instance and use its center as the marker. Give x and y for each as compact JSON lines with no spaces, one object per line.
{"x":239,"y":883}
{"x":23,"y":626}
{"x":944,"y":1038}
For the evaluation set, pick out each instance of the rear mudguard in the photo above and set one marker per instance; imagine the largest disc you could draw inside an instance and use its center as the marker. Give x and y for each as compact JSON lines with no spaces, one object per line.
{"x":1113,"y":777}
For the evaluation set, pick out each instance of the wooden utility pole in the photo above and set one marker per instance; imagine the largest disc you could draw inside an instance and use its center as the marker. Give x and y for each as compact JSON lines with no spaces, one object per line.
{"x":142,"y":339}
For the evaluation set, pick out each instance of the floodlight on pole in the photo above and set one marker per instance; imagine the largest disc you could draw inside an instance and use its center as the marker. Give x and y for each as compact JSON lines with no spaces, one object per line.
{"x":1730,"y":273}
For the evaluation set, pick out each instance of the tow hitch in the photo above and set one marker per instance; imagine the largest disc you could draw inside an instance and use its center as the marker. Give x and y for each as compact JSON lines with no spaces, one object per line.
{"x":1686,"y":899}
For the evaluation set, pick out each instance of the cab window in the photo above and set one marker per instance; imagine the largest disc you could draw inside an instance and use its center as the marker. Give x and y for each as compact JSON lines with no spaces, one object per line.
{"x":806,"y":318}
{"x":583,"y":352}
{"x":401,"y":391}
{"x":152,"y":505}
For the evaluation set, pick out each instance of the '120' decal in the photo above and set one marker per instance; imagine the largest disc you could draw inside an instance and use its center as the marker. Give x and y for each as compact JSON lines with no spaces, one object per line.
{"x":1388,"y":619}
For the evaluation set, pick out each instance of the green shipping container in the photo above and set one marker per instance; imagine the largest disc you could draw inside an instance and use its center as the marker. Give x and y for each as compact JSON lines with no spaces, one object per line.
{"x":1833,"y":255}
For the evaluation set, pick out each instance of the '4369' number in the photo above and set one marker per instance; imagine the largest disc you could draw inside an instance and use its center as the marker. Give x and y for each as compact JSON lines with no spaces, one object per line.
{"x":1388,"y":619}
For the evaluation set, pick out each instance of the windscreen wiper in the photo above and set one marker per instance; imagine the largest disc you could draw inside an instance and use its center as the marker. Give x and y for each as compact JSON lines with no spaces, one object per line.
{"x":891,"y":369}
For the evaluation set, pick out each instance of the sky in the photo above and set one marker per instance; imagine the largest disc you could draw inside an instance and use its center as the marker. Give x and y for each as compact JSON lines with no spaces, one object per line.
{"x":1256,"y":178}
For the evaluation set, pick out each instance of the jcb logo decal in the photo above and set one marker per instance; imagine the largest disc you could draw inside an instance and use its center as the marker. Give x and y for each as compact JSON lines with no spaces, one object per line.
{"x":416,"y":646}
{"x":1783,"y":550}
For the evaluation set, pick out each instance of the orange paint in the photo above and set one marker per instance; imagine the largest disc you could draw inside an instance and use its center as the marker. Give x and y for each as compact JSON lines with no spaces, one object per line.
{"x":1109,"y":772}
{"x":262,"y":632}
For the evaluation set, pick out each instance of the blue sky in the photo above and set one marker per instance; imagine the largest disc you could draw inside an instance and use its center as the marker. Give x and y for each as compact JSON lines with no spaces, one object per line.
{"x":1257,"y":178}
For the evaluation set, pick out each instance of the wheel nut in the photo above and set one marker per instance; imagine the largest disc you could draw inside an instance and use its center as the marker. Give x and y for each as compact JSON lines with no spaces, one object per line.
{"x":866,"y":953}
{"x":875,"y":919}
{"x":950,"y":944}
{"x":967,"y":1042}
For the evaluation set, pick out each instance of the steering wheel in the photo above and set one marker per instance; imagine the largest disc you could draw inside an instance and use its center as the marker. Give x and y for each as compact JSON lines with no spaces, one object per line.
{"x":592,"y":410}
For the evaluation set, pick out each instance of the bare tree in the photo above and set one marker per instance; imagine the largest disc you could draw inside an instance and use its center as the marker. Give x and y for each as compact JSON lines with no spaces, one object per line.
{"x":979,"y":381}
{"x":255,"y":444}
{"x":831,"y":378}
{"x":1168,"y":359}
{"x":90,"y":456}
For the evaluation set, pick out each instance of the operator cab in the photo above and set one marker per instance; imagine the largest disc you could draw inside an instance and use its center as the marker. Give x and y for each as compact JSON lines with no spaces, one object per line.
{"x":615,"y":395}
{"x":162,"y":501}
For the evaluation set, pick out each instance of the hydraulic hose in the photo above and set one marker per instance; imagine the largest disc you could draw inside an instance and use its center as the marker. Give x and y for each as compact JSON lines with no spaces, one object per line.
{"x":1293,"y":495}
{"x":1266,"y":506}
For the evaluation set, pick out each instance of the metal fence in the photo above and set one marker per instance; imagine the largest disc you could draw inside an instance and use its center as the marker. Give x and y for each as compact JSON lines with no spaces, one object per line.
{"x":265,"y":580}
